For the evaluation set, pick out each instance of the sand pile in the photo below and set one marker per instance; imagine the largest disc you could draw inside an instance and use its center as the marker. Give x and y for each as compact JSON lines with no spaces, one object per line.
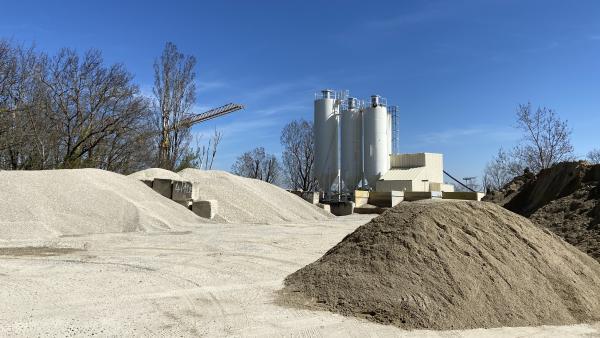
{"x":245,"y":200}
{"x":451,"y":265}
{"x":51,"y":203}
{"x":564,"y":199}
{"x":152,"y":173}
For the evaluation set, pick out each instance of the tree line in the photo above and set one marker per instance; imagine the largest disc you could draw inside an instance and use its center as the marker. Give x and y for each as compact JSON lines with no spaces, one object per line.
{"x":545,"y":141}
{"x":72,"y":110}
{"x":295,"y":170}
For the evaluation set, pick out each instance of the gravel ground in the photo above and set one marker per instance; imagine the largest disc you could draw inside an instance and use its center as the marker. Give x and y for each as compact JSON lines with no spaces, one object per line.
{"x":205,"y":280}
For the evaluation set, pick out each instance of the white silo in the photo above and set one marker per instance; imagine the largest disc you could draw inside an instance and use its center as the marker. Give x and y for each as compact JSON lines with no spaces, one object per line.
{"x":326,"y":140}
{"x":351,"y":145}
{"x":376,"y":140}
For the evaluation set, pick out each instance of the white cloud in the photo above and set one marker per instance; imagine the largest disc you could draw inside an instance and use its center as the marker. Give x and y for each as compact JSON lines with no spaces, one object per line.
{"x":205,"y":86}
{"x":423,"y":15}
{"x":285,"y":108}
{"x":238,"y":129}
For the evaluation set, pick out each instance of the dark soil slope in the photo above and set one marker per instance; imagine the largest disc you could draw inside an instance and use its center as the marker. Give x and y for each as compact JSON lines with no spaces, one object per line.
{"x":451,"y":265}
{"x":564,"y":199}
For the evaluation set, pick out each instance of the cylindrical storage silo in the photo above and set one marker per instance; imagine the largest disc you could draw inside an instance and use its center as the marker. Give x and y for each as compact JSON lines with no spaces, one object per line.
{"x":326,"y":140}
{"x":351,"y":145}
{"x":376,"y":141}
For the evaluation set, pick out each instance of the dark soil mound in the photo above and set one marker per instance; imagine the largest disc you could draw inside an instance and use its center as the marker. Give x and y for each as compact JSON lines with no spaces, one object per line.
{"x":564,"y":199}
{"x":451,"y":265}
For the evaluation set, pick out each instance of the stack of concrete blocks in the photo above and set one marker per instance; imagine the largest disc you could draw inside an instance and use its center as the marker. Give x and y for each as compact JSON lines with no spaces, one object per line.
{"x":312,"y":197}
{"x":178,"y":191}
{"x":181,"y":192}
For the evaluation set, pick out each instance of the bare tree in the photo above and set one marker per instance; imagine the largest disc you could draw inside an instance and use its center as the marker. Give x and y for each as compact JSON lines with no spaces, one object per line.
{"x":175,"y":93}
{"x":546,"y":138}
{"x":92,"y":107}
{"x":257,"y":164}
{"x":546,"y":141}
{"x":594,"y":156}
{"x":501,"y":170}
{"x":201,"y":156}
{"x":298,"y":155}
{"x":69,"y":111}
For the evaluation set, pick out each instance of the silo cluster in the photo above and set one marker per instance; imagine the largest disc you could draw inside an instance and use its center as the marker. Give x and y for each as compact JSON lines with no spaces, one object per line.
{"x":353,"y":141}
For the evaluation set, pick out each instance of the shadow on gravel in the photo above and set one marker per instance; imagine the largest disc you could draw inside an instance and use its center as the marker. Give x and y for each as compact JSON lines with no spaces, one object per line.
{"x":40,"y":251}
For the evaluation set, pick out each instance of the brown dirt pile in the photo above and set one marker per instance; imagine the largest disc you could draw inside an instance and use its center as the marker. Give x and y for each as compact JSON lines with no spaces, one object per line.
{"x":451,"y":265}
{"x":564,"y":199}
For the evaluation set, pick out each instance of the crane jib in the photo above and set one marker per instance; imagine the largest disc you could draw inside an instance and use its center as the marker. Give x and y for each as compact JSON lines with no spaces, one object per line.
{"x":210,"y":114}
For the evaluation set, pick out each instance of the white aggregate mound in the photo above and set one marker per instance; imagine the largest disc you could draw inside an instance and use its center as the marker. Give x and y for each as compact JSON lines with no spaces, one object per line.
{"x":51,"y":203}
{"x":152,"y":173}
{"x":246,"y":200}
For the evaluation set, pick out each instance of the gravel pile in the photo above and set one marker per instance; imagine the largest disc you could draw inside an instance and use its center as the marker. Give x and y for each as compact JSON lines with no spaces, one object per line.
{"x":245,"y":200}
{"x":451,"y":265}
{"x":564,"y":199}
{"x":52,"y":203}
{"x":152,"y":173}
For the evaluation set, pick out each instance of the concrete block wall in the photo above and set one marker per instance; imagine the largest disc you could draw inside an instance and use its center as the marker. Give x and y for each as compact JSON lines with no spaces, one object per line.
{"x":182,"y":193}
{"x":422,"y":195}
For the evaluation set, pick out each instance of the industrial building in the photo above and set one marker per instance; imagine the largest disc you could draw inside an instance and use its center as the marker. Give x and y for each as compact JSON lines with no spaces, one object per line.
{"x":356,"y":148}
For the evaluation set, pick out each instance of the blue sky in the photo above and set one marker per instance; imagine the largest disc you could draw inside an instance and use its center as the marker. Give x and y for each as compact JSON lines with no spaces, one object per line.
{"x":456,"y":69}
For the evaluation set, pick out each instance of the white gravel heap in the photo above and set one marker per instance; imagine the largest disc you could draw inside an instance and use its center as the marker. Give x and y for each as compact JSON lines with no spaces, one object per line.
{"x":52,"y":203}
{"x":245,"y":200}
{"x":152,"y":173}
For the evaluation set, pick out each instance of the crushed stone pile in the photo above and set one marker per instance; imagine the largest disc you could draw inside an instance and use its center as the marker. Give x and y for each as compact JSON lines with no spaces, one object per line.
{"x":565,"y":199}
{"x":53,"y":203}
{"x":246,"y":200}
{"x":152,"y":173}
{"x":451,"y":265}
